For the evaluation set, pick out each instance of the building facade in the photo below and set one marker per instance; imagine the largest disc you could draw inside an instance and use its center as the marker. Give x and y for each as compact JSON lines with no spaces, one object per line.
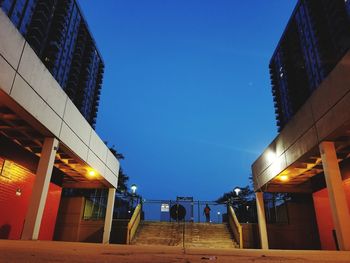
{"x":59,"y":35}
{"x":46,"y":145}
{"x":310,"y":72}
{"x":315,"y":39}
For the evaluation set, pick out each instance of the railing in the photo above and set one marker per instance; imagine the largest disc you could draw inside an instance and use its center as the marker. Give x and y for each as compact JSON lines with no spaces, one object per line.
{"x":235,"y":226}
{"x":134,"y":224}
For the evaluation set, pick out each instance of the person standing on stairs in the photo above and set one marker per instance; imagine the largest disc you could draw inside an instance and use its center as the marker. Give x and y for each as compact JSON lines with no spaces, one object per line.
{"x":206,"y":212}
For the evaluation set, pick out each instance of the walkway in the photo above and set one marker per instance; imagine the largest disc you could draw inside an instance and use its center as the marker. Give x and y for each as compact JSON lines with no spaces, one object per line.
{"x":48,"y":251}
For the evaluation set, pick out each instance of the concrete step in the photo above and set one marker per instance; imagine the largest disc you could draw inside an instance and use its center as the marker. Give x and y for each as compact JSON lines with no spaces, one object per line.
{"x":159,"y":233}
{"x":201,"y":235}
{"x":204,"y":235}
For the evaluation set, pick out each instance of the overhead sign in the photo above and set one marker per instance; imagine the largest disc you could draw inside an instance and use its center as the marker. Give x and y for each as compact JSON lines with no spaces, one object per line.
{"x":184,"y":198}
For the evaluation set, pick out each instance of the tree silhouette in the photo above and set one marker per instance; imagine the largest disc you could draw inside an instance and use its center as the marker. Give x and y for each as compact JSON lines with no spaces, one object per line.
{"x":117,"y":155}
{"x":243,"y":203}
{"x":122,"y":178}
{"x":122,"y":181}
{"x":246,"y":194}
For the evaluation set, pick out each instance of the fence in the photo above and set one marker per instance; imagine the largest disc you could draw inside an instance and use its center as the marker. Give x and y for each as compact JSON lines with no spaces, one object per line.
{"x":161,"y":210}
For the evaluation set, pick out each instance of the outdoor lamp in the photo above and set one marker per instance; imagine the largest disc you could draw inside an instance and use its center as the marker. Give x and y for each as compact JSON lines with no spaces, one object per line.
{"x":92,"y":173}
{"x":18,"y":192}
{"x":284,"y":178}
{"x":237,"y":190}
{"x":133,"y":188}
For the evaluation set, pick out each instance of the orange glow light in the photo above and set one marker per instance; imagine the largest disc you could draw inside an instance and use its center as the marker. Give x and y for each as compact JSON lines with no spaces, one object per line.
{"x":284,"y":178}
{"x":92,"y":173}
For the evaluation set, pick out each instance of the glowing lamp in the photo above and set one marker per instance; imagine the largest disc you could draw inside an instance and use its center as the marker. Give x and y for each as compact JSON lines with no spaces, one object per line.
{"x":271,"y":157}
{"x":18,"y":192}
{"x":92,"y":173}
{"x":237,"y":190}
{"x":284,"y":178}
{"x":133,"y":188}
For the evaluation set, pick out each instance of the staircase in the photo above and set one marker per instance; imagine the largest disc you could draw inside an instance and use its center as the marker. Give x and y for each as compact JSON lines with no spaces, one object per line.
{"x":204,"y":235}
{"x":159,"y":233}
{"x":194,"y":235}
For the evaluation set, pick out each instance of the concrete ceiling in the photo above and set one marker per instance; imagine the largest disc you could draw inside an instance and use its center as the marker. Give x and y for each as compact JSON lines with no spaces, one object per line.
{"x":76,"y":172}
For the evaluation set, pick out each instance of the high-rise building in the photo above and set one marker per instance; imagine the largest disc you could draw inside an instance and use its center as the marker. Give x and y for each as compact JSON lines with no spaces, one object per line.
{"x":310,"y":158}
{"x":46,"y":144}
{"x":316,"y":38}
{"x":58,"y":33}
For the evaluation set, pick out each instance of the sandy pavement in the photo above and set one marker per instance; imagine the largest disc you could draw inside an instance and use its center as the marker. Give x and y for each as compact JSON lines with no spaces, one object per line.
{"x":13,"y":251}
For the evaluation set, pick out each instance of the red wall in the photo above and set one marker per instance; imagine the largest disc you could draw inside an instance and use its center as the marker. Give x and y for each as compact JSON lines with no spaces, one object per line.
{"x":300,"y":232}
{"x":324,"y":215}
{"x":48,"y":224}
{"x":13,"y":207}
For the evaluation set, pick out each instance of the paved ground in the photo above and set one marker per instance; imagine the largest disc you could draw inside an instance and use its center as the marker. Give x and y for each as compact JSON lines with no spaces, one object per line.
{"x":42,"y":251}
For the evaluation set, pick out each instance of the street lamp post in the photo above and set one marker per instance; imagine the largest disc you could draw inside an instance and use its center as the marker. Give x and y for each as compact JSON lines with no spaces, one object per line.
{"x":237,"y":190}
{"x":133,"y":188}
{"x":239,"y":212}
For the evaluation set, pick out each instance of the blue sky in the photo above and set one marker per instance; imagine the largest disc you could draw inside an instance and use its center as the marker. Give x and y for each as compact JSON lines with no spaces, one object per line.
{"x":186,"y":94}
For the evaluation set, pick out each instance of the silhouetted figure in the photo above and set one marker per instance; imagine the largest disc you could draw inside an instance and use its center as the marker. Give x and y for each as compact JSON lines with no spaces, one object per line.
{"x":206,"y":212}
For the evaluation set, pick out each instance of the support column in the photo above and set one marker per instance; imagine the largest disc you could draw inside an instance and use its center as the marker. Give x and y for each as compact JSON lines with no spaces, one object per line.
{"x":262,"y":220}
{"x":109,"y":216}
{"x":337,"y":198}
{"x":37,"y":200}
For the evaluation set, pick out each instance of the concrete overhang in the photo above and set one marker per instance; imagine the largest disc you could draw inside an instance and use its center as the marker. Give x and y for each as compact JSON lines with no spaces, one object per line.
{"x":325,"y":116}
{"x":33,"y":106}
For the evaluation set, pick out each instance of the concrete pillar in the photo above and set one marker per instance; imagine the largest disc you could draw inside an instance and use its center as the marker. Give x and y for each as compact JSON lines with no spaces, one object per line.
{"x":37,"y":200}
{"x":337,"y":198}
{"x":262,"y":220}
{"x":109,"y":216}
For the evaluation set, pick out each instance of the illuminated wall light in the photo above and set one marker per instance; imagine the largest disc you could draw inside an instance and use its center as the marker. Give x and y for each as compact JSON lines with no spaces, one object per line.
{"x":92,"y":173}
{"x":18,"y":192}
{"x":271,"y":156}
{"x":13,"y":172}
{"x":284,"y":178}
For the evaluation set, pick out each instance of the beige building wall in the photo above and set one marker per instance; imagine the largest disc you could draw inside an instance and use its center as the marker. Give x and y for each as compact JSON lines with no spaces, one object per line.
{"x":28,"y":88}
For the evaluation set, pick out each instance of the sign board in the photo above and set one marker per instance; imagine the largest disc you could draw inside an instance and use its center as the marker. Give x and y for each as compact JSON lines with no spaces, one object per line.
{"x":184,"y":198}
{"x":164,"y":208}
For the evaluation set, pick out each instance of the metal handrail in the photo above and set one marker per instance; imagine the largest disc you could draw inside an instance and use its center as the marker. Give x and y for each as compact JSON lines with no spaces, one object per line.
{"x":235,"y":226}
{"x":133,"y":223}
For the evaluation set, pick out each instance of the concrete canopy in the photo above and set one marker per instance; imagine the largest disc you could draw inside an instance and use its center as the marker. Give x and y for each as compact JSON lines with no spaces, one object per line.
{"x":33,"y":106}
{"x":294,"y":153}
